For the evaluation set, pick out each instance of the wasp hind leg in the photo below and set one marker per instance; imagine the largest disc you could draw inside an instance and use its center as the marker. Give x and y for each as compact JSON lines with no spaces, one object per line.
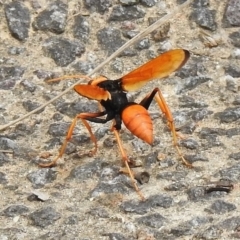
{"x":126,"y":160}
{"x":157,"y":95}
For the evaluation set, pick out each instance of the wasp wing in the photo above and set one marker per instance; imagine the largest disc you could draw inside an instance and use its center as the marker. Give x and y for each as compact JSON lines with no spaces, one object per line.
{"x":92,"y":92}
{"x":159,"y":67}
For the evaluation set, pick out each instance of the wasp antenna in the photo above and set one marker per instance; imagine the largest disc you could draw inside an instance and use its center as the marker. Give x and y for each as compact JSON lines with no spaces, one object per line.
{"x":69,"y":77}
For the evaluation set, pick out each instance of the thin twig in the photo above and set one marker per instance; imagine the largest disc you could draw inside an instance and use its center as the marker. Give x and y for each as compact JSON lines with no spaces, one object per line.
{"x":6,"y":151}
{"x":135,"y":39}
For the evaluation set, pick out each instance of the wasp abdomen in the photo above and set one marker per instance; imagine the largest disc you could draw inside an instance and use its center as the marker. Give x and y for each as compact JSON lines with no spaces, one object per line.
{"x":138,"y":122}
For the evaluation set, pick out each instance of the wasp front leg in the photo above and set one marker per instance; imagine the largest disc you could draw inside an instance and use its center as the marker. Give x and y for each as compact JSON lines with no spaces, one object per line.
{"x":157,"y":95}
{"x":83,"y":117}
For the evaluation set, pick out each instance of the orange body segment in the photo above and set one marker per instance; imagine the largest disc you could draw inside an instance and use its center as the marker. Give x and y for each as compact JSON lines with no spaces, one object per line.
{"x":138,"y":122}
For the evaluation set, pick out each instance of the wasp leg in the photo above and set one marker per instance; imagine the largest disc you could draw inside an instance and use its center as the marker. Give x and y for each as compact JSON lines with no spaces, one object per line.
{"x":167,"y":112}
{"x":83,"y":117}
{"x":125,"y":160}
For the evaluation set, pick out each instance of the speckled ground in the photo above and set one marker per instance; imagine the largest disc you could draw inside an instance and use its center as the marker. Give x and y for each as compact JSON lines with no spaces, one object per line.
{"x":85,"y":197}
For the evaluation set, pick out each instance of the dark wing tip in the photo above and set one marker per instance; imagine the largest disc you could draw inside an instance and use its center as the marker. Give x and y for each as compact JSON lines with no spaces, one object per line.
{"x":187,"y":56}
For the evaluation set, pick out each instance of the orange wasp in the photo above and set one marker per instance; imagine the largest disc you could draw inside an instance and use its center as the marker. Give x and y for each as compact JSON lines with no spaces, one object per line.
{"x":111,"y":94}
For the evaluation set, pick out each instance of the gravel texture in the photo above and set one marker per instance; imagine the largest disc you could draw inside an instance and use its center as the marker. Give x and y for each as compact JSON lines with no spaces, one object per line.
{"x":86,"y":197}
